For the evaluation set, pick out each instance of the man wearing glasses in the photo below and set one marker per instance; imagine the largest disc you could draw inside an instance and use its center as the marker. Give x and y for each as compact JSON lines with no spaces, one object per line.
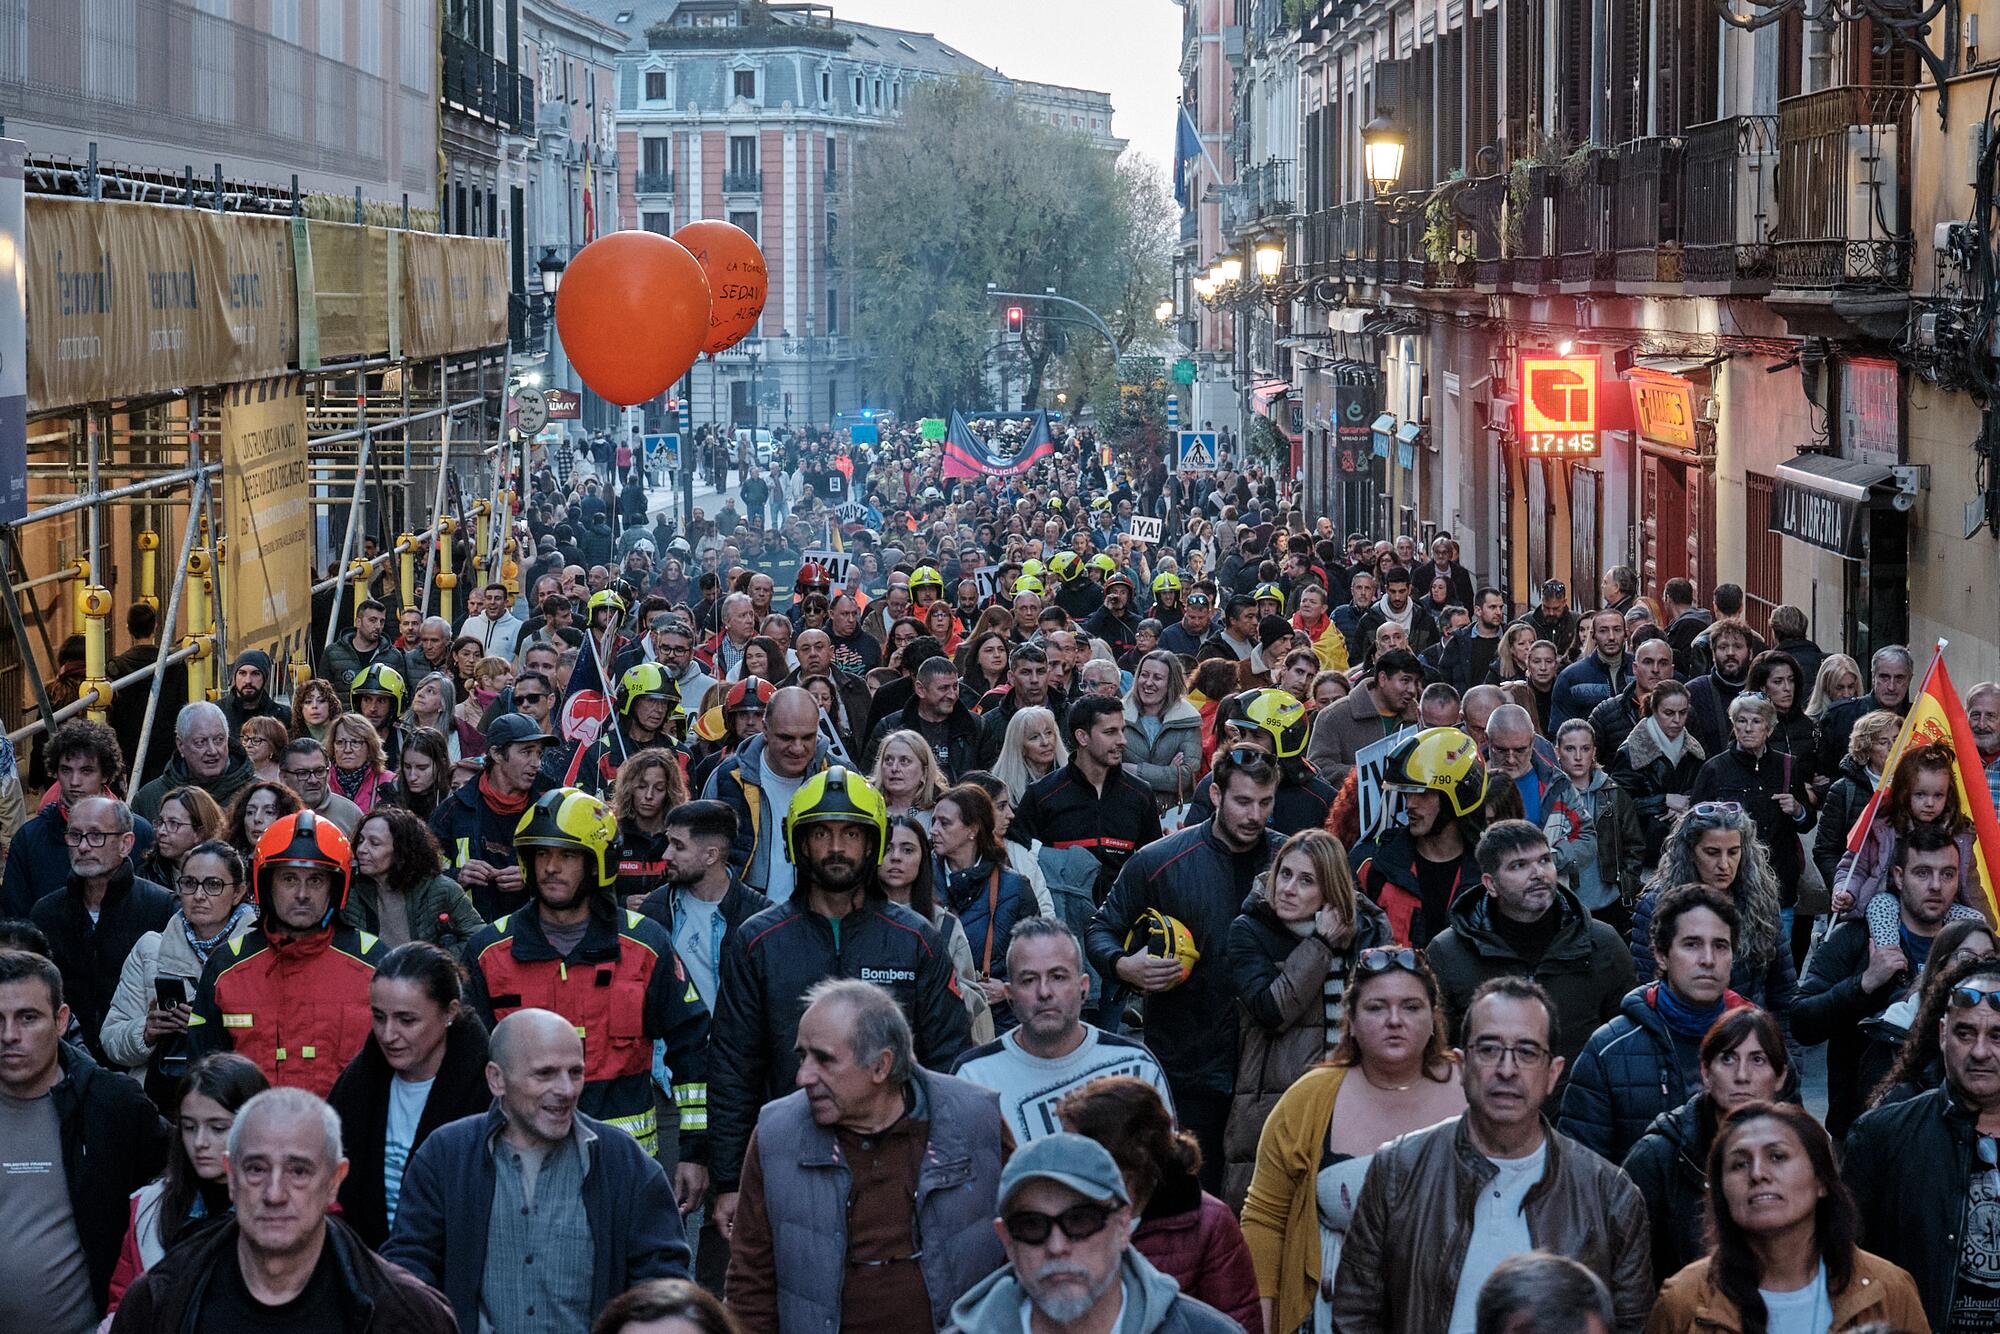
{"x":1442,"y":1208}
{"x":867,"y":1194}
{"x":95,"y":919}
{"x":1923,"y":1171}
{"x":1520,"y":921}
{"x":305,"y":769}
{"x":1066,"y":1225}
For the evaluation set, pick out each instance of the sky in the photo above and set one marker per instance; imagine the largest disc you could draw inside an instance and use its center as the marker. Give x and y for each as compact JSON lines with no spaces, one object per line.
{"x":1127,"y":48}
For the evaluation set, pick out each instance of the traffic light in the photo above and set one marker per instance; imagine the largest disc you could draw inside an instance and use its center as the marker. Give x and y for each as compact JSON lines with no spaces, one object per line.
{"x":1015,"y":315}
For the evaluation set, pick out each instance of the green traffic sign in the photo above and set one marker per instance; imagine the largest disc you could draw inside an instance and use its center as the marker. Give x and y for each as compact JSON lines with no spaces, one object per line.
{"x":1184,"y":371}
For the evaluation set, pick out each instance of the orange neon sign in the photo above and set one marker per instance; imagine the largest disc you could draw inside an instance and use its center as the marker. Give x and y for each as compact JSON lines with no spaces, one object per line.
{"x":1559,"y":407}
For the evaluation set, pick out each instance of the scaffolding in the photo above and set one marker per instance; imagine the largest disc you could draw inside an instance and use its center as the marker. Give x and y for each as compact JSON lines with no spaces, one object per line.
{"x":409,"y":453}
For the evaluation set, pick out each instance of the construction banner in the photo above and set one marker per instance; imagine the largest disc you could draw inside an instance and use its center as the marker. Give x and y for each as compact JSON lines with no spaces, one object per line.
{"x":454,"y":294}
{"x":267,"y":584}
{"x":344,"y":282}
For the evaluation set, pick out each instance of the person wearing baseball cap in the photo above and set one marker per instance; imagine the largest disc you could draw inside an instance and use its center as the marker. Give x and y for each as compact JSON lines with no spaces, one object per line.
{"x":1115,"y":622}
{"x":1066,"y":1225}
{"x":475,"y":825}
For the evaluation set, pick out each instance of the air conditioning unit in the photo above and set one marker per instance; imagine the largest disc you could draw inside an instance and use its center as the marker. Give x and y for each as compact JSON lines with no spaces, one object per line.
{"x":1872,"y":211}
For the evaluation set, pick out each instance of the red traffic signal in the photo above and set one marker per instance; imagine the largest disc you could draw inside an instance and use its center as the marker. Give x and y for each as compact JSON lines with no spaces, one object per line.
{"x":1015,"y":315}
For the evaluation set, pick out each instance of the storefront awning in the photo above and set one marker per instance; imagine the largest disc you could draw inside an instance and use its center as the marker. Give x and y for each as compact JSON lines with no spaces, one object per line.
{"x":1818,"y":499}
{"x":1263,"y":393}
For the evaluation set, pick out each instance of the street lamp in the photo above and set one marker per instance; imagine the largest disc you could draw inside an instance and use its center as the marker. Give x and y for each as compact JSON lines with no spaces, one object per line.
{"x":1164,"y":312}
{"x":1231,"y":268}
{"x":1270,"y":259}
{"x":550,"y":266}
{"x":1382,"y":149}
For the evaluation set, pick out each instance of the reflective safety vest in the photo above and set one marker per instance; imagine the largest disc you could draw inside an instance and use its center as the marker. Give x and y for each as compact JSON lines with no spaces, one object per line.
{"x":298,"y":1008}
{"x":625,"y":989}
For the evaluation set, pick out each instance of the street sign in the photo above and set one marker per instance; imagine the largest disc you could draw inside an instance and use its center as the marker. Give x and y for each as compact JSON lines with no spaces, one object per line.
{"x":663,"y":451}
{"x":1199,"y":451}
{"x":1184,"y":371}
{"x":565,"y":405}
{"x":1145,"y":529}
{"x":533,"y":409}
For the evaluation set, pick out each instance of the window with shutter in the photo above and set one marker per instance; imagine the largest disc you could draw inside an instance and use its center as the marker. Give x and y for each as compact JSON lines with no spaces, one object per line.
{"x":1573,"y":87}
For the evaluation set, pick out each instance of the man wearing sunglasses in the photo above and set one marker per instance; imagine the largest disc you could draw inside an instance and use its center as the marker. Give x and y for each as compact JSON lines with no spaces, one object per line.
{"x":1849,"y":978}
{"x":1066,"y":1224}
{"x":1925,"y":1172}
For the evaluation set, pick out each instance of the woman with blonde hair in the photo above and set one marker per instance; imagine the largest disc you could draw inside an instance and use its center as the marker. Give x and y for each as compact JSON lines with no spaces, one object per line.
{"x":1392,"y":1073}
{"x":358,"y":772}
{"x":1291,"y":954}
{"x":1510,"y":661}
{"x":1031,"y":750}
{"x":1838,"y":678}
{"x":907,"y":775}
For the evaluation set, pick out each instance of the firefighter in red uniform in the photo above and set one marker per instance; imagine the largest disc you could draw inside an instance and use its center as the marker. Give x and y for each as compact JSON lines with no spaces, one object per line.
{"x":292,"y":993}
{"x":613,"y":973}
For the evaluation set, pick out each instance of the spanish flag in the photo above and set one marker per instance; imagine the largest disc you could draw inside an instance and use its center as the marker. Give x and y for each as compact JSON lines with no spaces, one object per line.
{"x":1937,"y":717}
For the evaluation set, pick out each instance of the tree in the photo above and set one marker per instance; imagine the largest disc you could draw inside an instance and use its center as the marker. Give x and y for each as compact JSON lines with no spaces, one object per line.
{"x":965,"y":190}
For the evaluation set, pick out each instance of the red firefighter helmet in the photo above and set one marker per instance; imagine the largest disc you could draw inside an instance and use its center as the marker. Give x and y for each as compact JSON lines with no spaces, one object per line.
{"x":304,"y":839}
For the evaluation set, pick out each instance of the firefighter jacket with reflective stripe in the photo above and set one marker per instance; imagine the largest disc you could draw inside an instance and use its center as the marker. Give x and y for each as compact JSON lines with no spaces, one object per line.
{"x":1064,"y":811}
{"x":624,"y":988}
{"x":297,"y":1007}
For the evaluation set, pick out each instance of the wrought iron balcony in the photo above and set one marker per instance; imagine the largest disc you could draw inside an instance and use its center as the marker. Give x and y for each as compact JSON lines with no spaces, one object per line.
{"x":1844,"y":188}
{"x":1269,"y":189}
{"x":1646,"y":211}
{"x":656,"y":183}
{"x":1583,"y":186}
{"x":476,"y":81}
{"x":1729,"y":181}
{"x":747,"y":182}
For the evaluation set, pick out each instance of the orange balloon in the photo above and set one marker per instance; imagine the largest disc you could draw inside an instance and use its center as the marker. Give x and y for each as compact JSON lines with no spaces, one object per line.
{"x":738,"y":281}
{"x":632,"y":311}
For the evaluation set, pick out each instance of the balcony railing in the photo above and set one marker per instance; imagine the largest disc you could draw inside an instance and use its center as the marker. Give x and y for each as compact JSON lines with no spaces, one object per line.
{"x":1729,"y":180}
{"x":1583,"y":187}
{"x":1269,"y":189}
{"x":1844,"y":188}
{"x":1646,"y":211}
{"x":747,"y":182}
{"x":1530,"y":232}
{"x":479,"y":83}
{"x":1320,"y":249}
{"x":656,"y":182}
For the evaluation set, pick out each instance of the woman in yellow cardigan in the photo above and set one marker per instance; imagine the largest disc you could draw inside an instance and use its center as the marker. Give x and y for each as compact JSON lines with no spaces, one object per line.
{"x":1391,"y":1074}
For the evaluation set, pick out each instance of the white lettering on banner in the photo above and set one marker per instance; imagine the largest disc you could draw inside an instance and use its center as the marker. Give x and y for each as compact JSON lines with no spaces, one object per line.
{"x":834,"y":562}
{"x":1371,"y":768}
{"x":1145,"y":529}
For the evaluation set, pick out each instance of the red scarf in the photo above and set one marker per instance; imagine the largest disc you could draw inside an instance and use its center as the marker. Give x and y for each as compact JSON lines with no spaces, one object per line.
{"x":500,"y":805}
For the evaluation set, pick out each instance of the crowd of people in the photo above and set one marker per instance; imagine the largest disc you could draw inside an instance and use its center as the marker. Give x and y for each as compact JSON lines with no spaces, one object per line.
{"x":973,"y":917}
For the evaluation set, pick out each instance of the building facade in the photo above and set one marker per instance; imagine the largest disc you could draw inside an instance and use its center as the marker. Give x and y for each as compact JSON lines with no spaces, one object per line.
{"x":1725,"y":233}
{"x":752,"y":114}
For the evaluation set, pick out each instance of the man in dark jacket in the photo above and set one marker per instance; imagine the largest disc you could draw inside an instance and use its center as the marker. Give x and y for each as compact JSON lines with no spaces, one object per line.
{"x":1710,"y":695}
{"x":459,"y":1221}
{"x":1196,"y":878}
{"x":1093,"y":802}
{"x":475,"y":824}
{"x":1849,"y":978}
{"x":1648,"y":1059}
{"x":249,"y":692}
{"x":1028,"y":687}
{"x":128,"y":706}
{"x":93,"y":921}
{"x":935,"y":713}
{"x":837,"y":923}
{"x":281,"y":1257}
{"x":57,"y":1106}
{"x":1554,"y":619}
{"x":1889,"y":673}
{"x":364,"y":646}
{"x":1591,"y":680}
{"x":1916,"y":1171}
{"x":207,"y":755}
{"x":1613,"y":719}
{"x":1789,"y":629}
{"x":1114,"y":622}
{"x":84,"y":760}
{"x":1520,"y":921}
{"x":1685,"y":619}
{"x":1470,"y":652}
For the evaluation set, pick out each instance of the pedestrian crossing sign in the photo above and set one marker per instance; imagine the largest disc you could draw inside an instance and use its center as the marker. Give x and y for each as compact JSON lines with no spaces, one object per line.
{"x":663,"y":451}
{"x":1198,"y":451}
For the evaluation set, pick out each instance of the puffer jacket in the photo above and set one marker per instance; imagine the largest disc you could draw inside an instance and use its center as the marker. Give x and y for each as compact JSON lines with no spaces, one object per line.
{"x":738,"y":782}
{"x":1669,"y":1165}
{"x":438,"y":911}
{"x":1280,"y":979}
{"x":1838,"y":810}
{"x":1907,"y":1164}
{"x":1645,"y":771}
{"x":1412,"y":1225}
{"x":987,"y":897}
{"x":1194,"y":1239}
{"x":1197,"y":879}
{"x":38,"y":859}
{"x":1151,"y":758}
{"x":157,"y":954}
{"x":1631,"y":1071}
{"x":1773,"y":987}
{"x":1595,"y":835}
{"x":770,"y":962}
{"x":91,"y":952}
{"x":1585,"y":968}
{"x":343,"y":662}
